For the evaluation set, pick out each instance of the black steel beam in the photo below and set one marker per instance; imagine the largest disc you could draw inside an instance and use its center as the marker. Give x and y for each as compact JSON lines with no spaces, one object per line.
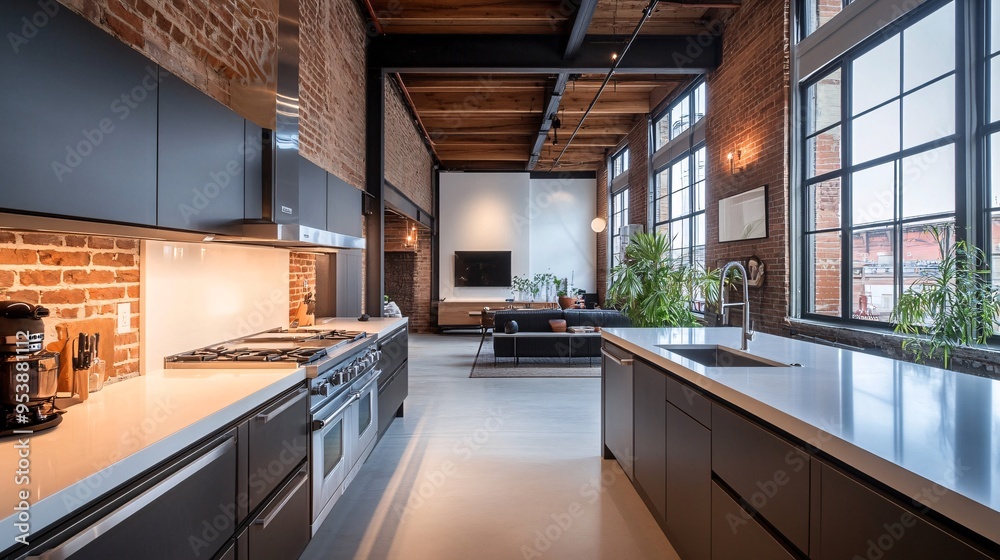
{"x":396,"y":200}
{"x":582,"y":16}
{"x":375,"y":187}
{"x":555,"y":98}
{"x":543,"y":54}
{"x":581,"y":23}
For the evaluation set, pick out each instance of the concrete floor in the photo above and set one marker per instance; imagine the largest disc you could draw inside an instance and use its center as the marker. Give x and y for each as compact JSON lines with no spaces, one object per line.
{"x":483,"y":469}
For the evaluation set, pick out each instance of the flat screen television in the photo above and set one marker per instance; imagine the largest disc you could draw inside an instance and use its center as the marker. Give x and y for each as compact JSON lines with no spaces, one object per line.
{"x":482,"y":269}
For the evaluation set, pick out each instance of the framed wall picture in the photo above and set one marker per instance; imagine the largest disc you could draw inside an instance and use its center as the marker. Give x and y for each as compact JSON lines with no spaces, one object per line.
{"x":743,"y":216}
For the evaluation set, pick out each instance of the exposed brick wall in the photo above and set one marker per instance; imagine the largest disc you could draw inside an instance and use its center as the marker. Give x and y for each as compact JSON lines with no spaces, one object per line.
{"x":219,"y":47}
{"x":408,"y":164}
{"x":638,"y":173}
{"x":416,"y":302}
{"x":603,"y":239}
{"x":748,"y":111}
{"x":301,"y":270}
{"x":748,"y":98}
{"x":75,"y":277}
{"x":332,"y":87}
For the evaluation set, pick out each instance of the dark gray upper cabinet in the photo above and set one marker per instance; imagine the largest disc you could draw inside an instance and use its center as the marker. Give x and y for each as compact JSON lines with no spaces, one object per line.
{"x":201,"y":162}
{"x":344,"y":207}
{"x":312,"y":194}
{"x":253,"y":180}
{"x":79,"y":118}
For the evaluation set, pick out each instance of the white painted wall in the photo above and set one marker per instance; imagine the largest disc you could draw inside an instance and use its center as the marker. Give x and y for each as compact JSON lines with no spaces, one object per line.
{"x":483,"y":212}
{"x":545,"y":223}
{"x":561,"y":239}
{"x":195,"y":294}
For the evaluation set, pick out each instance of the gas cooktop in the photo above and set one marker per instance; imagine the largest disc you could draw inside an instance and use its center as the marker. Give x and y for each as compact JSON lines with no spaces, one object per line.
{"x":275,"y":348}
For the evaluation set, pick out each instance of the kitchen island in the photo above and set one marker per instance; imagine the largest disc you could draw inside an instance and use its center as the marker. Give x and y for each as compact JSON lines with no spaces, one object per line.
{"x":916,"y":439}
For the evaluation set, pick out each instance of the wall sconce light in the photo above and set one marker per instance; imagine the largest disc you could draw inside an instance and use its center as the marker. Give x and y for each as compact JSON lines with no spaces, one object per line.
{"x":734,"y":162}
{"x":598,"y":225}
{"x":411,"y":238}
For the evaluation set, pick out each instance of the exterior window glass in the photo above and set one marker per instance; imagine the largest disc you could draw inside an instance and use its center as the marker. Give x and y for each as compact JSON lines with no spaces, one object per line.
{"x":883,"y":174}
{"x":681,"y":115}
{"x":680,"y":206}
{"x":619,"y":218}
{"x":818,"y":12}
{"x":619,"y":163}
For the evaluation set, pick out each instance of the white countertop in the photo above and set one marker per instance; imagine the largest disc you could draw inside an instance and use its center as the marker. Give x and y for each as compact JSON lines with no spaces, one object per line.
{"x":126,"y":429}
{"x":380,"y":325}
{"x":929,"y":433}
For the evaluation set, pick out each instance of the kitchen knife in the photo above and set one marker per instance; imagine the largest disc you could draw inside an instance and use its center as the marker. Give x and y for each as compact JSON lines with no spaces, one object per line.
{"x":82,"y":348}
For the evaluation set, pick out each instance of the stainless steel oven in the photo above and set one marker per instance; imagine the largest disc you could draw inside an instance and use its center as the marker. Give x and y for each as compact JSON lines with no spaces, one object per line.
{"x":344,"y":425}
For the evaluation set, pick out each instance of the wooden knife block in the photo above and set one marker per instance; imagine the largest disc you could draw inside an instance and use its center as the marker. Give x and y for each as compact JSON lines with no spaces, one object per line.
{"x":69,"y":332}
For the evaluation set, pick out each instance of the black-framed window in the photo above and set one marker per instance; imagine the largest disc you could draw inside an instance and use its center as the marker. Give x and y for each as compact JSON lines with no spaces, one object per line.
{"x":680,"y":206}
{"x":882,"y":142}
{"x":619,"y":163}
{"x":991,"y":133}
{"x":815,"y":13}
{"x":681,"y":115}
{"x":619,"y":218}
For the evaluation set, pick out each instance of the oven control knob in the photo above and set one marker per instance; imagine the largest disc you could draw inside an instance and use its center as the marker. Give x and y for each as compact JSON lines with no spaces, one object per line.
{"x":323,"y":389}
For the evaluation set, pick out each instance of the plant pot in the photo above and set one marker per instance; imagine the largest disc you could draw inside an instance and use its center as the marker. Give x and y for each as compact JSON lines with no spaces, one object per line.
{"x":566,"y":302}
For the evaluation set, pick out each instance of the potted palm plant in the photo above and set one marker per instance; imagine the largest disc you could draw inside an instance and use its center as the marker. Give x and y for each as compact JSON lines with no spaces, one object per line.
{"x":957,"y":306}
{"x":654,"y":289}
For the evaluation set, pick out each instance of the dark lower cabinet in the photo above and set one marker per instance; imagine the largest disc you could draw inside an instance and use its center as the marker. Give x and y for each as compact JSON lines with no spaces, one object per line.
{"x":689,"y":485}
{"x":650,"y":432}
{"x":278,"y":443}
{"x":185,"y":513}
{"x":768,"y":472}
{"x":394,"y":382}
{"x":282,"y":529}
{"x":856,"y":522}
{"x":737,"y":536}
{"x":617,"y":405}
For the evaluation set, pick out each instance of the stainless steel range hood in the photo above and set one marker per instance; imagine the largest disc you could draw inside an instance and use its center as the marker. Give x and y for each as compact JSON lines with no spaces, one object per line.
{"x":294,"y":236}
{"x":279,"y":226}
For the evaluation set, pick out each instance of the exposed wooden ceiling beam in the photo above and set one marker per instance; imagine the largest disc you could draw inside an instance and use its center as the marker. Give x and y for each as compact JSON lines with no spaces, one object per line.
{"x":493,"y":125}
{"x":541,"y":54}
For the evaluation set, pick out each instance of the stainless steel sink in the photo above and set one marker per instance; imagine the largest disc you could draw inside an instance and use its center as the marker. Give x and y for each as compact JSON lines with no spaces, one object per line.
{"x":715,"y":356}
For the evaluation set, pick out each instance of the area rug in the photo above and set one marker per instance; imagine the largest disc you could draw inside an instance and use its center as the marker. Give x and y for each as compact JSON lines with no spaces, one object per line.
{"x":532,"y":367}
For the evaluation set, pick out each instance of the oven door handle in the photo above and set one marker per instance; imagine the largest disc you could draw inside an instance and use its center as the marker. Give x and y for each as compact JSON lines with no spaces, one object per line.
{"x":320,"y":424}
{"x":360,"y":391}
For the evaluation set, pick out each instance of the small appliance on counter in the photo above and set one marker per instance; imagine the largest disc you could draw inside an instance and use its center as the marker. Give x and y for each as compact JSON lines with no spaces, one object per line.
{"x":29,"y":376}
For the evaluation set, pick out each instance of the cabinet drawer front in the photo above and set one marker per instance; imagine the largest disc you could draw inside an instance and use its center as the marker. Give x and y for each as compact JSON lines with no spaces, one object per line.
{"x":689,"y":485}
{"x":278,"y":443}
{"x":736,"y":536}
{"x":858,"y":522}
{"x":189,"y":514}
{"x":769,"y":473}
{"x":690,"y":402}
{"x":616,"y":382}
{"x":650,"y":417}
{"x":281,"y":531}
{"x":395,"y":350}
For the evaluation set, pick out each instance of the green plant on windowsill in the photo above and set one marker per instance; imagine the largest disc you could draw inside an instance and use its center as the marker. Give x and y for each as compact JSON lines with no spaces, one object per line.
{"x":654,"y":289}
{"x":957,"y":307}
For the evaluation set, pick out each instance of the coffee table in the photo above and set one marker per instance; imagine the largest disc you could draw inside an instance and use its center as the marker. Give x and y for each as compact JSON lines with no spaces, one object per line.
{"x":524,"y":335}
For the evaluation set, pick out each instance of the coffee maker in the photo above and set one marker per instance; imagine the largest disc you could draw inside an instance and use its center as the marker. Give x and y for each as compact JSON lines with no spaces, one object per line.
{"x":29,"y":376}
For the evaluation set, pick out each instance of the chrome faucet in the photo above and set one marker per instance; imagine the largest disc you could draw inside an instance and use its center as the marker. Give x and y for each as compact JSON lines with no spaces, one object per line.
{"x":745,"y":304}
